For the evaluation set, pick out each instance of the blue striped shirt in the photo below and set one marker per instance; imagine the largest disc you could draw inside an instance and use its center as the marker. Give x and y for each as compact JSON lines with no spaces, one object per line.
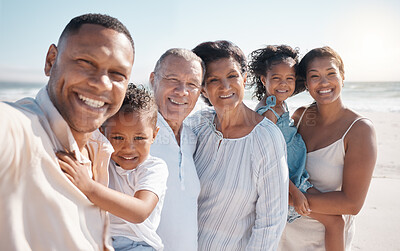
{"x":244,"y":186}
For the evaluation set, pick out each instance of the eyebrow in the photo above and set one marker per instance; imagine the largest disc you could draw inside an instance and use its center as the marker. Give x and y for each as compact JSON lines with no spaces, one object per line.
{"x":330,"y":68}
{"x":232,"y":71}
{"x":291,"y":74}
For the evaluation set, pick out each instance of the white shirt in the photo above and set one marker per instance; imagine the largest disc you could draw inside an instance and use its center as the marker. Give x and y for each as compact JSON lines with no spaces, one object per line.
{"x":40,"y":208}
{"x":244,"y":186}
{"x":178,"y":225}
{"x":150,"y":175}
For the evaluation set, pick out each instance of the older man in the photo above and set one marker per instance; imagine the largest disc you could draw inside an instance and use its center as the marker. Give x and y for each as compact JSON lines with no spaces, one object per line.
{"x":176,"y":82}
{"x":88,"y":74}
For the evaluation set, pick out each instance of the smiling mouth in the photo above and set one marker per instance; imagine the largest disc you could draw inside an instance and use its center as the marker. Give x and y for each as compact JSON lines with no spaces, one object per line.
{"x":127,"y":158}
{"x":176,"y":102}
{"x":91,"y":102}
{"x":227,"y":96}
{"x":325,"y":91}
{"x":281,"y":91}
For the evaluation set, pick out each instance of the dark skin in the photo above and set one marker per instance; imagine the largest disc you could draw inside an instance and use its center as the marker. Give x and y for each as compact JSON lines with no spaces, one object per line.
{"x":88,"y":76}
{"x":326,"y":122}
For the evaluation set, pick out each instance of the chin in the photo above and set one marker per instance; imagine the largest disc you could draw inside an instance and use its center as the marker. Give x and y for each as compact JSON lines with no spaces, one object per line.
{"x":85,"y":128}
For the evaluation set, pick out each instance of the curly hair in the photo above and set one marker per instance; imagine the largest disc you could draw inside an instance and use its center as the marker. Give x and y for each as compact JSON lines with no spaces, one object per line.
{"x":213,"y":51}
{"x":261,"y":61}
{"x":138,"y":99}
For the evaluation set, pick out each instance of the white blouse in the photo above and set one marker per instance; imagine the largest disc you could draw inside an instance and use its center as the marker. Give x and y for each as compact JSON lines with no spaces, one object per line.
{"x":244,"y":186}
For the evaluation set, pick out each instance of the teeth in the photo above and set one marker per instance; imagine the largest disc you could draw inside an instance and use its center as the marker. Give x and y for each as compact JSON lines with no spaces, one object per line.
{"x":176,"y":102}
{"x":128,"y":158}
{"x":226,"y":96}
{"x":281,"y":91}
{"x":91,"y":102}
{"x":325,"y":91}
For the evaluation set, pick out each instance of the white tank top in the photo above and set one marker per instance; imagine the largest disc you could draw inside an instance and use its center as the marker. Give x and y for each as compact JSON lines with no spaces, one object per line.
{"x":325,"y":167}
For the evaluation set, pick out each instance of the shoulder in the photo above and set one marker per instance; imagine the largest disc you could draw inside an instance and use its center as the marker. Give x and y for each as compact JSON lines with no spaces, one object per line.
{"x":268,"y":133}
{"x":300,"y":112}
{"x":154,"y":163}
{"x":207,"y":113}
{"x":261,"y":103}
{"x":200,"y":119}
{"x":270,"y":115}
{"x":16,"y":117}
{"x":360,"y":126}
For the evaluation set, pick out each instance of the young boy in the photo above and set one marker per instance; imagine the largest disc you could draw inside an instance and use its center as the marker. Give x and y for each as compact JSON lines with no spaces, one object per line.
{"x":137,"y":179}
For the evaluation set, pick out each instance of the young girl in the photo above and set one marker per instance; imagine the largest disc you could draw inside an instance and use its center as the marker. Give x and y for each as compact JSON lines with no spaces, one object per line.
{"x":137,"y":179}
{"x":273,"y":72}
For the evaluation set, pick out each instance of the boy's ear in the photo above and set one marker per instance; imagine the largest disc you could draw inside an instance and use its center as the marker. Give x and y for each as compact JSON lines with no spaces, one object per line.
{"x":155,"y":132}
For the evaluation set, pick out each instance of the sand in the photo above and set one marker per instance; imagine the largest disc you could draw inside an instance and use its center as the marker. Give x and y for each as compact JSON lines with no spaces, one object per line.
{"x":378,"y":223}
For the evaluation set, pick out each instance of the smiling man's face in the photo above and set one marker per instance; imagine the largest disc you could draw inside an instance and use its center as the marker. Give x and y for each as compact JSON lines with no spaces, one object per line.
{"x":176,"y":86}
{"x":89,"y":74}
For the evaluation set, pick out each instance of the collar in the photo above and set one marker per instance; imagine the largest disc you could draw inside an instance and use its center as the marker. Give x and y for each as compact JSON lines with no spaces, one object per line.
{"x":59,"y":126}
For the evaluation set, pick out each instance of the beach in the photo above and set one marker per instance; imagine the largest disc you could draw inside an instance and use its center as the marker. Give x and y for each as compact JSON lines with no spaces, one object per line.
{"x":377,"y":224}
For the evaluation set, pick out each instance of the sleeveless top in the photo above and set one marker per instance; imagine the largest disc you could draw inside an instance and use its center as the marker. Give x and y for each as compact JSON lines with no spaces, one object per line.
{"x":325,"y":167}
{"x":296,"y":149}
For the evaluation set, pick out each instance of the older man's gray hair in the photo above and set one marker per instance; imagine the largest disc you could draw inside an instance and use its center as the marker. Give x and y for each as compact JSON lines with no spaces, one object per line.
{"x":188,"y":55}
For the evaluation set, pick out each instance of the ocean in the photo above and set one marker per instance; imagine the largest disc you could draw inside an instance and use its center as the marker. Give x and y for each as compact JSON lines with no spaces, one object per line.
{"x":360,"y":96}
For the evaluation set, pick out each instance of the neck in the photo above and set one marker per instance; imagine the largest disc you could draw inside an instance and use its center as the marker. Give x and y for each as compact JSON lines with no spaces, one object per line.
{"x":176,"y":127}
{"x":329,"y":113}
{"x":231,"y":118}
{"x":81,"y":139}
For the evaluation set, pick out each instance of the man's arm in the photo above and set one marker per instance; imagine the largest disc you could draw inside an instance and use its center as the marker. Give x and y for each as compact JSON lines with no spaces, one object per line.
{"x":133,"y":209}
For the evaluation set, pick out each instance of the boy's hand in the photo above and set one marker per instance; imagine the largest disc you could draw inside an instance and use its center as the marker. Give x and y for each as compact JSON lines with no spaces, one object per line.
{"x":300,"y":203}
{"x":75,"y":172}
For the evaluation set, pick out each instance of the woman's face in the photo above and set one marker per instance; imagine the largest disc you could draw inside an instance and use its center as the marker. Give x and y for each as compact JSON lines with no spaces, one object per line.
{"x":323,"y":80}
{"x":280,"y":80}
{"x":224,"y":84}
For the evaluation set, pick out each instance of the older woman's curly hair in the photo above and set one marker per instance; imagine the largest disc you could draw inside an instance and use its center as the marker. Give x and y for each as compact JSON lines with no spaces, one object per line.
{"x":138,"y":99}
{"x":261,"y":61}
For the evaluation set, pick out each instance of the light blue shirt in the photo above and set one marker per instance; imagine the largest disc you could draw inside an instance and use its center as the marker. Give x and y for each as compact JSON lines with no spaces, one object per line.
{"x":178,"y":225}
{"x":244,"y":186}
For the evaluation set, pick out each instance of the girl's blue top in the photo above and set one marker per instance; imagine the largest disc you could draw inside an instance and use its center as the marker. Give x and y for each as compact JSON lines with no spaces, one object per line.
{"x":296,"y":148}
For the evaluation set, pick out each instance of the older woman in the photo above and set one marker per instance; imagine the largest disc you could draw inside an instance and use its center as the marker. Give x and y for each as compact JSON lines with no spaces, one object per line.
{"x":341,"y":152}
{"x":240,"y":159}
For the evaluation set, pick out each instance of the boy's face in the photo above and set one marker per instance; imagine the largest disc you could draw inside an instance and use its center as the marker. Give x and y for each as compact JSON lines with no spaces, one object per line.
{"x":131,"y":135}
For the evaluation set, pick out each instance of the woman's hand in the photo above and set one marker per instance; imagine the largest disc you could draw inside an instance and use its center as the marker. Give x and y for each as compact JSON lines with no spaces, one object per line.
{"x":75,"y":172}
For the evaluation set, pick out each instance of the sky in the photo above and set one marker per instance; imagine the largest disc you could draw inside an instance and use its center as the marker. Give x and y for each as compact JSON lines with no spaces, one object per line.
{"x":365,"y":33}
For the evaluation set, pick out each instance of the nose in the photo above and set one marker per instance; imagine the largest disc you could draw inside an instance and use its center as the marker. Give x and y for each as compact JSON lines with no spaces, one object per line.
{"x":101,"y":81}
{"x":129,"y":144}
{"x":283,"y":81}
{"x":324,"y":80}
{"x":225,"y":84}
{"x":181,"y":89}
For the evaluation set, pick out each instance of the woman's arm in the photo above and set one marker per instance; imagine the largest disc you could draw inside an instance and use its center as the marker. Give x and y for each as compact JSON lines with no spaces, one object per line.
{"x":133,"y":209}
{"x":359,"y":163}
{"x":272,"y":188}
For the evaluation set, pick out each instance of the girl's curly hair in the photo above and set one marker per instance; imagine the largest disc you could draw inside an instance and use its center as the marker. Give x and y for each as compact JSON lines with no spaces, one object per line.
{"x":261,"y":61}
